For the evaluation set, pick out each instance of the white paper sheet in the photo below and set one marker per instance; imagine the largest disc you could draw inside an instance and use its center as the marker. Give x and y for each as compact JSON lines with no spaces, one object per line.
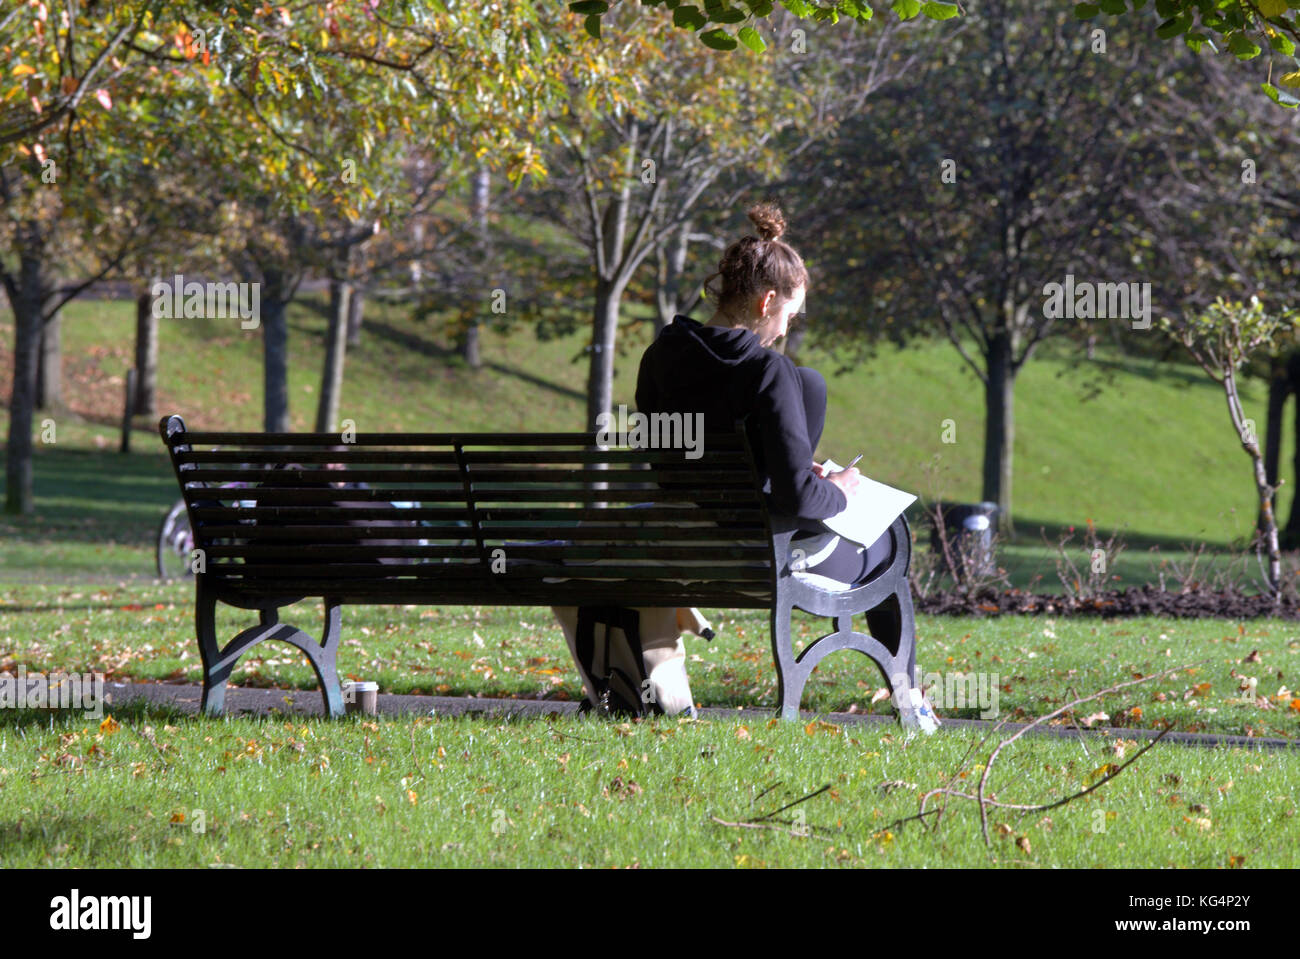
{"x":870,"y":511}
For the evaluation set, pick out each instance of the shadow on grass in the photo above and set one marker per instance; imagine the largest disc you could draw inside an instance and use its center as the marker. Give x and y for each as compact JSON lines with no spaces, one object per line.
{"x":78,"y":488}
{"x":1030,"y":531}
{"x":133,"y":711}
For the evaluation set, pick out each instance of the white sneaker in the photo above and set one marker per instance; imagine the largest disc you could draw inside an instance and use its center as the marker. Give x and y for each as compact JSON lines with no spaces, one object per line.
{"x":925,"y":716}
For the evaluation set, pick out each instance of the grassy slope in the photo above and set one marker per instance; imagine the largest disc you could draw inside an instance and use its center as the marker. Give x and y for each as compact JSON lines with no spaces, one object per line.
{"x":1152,"y":450}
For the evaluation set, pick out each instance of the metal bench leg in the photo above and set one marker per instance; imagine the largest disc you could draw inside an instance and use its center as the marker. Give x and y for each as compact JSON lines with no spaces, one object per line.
{"x":323,"y":660}
{"x":218,"y":661}
{"x":790,"y":675}
{"x":205,"y":625}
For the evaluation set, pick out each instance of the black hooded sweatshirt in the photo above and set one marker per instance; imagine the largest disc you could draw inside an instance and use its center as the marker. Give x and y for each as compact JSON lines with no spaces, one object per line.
{"x":725,"y":374}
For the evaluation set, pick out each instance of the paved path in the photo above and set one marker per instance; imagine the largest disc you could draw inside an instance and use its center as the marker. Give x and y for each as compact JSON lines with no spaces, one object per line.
{"x":260,"y":702}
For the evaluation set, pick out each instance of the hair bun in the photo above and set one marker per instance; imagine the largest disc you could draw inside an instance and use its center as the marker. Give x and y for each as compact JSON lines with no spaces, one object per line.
{"x":768,"y":220}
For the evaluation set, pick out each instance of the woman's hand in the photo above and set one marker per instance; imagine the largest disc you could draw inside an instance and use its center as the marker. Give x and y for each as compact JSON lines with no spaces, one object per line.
{"x":819,"y":469}
{"x":847,"y":480}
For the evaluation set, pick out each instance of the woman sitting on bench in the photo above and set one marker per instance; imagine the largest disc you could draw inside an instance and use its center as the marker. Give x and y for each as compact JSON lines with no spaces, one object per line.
{"x":726,"y":370}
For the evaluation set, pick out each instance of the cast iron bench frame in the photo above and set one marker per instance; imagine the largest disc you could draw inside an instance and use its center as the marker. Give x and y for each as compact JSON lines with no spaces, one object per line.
{"x":252,"y":558}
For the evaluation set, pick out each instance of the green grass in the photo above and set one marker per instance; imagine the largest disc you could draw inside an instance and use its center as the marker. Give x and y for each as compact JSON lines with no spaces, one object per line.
{"x":168,"y":791}
{"x":145,"y":633}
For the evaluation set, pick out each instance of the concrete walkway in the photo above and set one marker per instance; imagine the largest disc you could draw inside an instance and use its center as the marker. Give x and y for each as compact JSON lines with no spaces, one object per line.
{"x":247,"y":701}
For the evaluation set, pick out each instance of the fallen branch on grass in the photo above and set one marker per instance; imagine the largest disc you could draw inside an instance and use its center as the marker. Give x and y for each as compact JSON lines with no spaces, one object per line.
{"x":985,"y":801}
{"x":760,"y":822}
{"x":988,"y":767}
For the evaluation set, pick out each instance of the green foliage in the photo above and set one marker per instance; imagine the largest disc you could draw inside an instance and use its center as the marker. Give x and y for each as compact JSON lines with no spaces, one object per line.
{"x":718,"y":13}
{"x":1243,"y":27}
{"x":1225,"y":336}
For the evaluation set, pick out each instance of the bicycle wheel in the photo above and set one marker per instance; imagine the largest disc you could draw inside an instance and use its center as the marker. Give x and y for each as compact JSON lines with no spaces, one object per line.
{"x":175,"y":541}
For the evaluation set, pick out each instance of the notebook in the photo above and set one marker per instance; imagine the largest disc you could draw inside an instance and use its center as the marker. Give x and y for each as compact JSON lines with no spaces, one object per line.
{"x":870,"y":510}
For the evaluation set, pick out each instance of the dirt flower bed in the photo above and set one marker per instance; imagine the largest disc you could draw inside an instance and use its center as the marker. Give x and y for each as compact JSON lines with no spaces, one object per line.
{"x":1145,"y":600}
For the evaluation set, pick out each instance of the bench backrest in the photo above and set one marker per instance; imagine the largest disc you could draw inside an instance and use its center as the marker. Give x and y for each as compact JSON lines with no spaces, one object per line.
{"x":467,"y":516}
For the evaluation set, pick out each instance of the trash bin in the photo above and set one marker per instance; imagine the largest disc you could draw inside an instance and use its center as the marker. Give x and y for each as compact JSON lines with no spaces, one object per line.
{"x":968,"y":527}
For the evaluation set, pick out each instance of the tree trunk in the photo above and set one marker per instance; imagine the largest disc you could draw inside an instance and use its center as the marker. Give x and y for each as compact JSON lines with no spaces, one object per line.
{"x":1293,"y":520}
{"x":146,"y":355}
{"x":672,"y":265}
{"x":49,"y":372}
{"x":355,"y":304}
{"x":1262,"y":488}
{"x":600,"y":374}
{"x":999,"y":429}
{"x":27,"y":340}
{"x":478,"y":209}
{"x":1278,"y":388}
{"x":331,"y":382}
{"x":469,"y":348}
{"x":275,"y":354}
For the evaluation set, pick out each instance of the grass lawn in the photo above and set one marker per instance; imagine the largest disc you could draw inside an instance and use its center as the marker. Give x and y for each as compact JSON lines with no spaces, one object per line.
{"x":151,"y":789}
{"x":1030,"y":664}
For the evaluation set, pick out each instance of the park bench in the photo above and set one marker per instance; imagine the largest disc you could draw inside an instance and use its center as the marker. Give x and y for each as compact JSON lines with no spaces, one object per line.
{"x":517,"y":519}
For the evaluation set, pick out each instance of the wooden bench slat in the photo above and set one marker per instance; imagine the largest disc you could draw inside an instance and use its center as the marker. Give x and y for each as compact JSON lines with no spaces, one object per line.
{"x":721,"y":457}
{"x":348,"y":552}
{"x":330,"y":534}
{"x":290,"y":440}
{"x":197,"y":495}
{"x":748,"y":516}
{"x":478,"y":477}
{"x":435,"y":571}
{"x":573,"y":593}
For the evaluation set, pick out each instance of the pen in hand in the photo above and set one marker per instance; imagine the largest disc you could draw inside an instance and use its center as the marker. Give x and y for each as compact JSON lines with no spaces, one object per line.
{"x":853,"y":462}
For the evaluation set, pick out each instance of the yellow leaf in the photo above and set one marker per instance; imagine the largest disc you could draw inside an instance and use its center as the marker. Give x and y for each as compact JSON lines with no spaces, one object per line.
{"x":1272,"y":8}
{"x":23,"y":69}
{"x":1101,"y":772}
{"x":1291,"y":79}
{"x":109,"y":726}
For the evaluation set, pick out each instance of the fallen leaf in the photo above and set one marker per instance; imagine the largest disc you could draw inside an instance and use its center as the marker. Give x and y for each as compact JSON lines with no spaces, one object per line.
{"x":1101,"y":772}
